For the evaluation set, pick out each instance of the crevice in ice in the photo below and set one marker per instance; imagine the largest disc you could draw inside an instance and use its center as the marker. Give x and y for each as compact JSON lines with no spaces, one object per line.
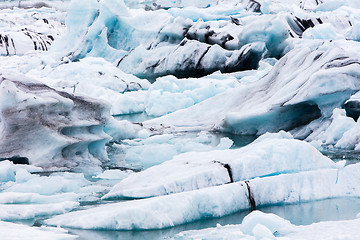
{"x":250,"y":196}
{"x":228,"y":168}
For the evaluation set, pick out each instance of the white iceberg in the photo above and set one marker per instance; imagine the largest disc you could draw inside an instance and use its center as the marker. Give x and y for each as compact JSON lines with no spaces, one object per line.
{"x":270,"y":155}
{"x":175,"y":209}
{"x":16,"y":231}
{"x":311,"y":178}
{"x":258,"y":225}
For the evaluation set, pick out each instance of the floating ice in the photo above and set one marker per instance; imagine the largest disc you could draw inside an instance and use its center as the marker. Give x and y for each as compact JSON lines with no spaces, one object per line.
{"x":34,"y":115}
{"x":169,"y":94}
{"x":150,"y":151}
{"x":258,"y":225}
{"x":174,"y":209}
{"x":268,"y":156}
{"x":25,"y":30}
{"x":114,"y":174}
{"x":11,"y":212}
{"x":323,"y":75}
{"x":96,"y":78}
{"x":16,"y":231}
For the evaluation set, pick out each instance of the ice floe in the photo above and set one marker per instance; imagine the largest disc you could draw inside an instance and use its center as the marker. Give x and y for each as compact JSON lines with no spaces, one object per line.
{"x":258,"y":225}
{"x":321,"y":179}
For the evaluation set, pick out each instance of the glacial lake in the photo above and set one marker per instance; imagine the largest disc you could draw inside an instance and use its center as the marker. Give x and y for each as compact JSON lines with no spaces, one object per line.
{"x":299,"y":214}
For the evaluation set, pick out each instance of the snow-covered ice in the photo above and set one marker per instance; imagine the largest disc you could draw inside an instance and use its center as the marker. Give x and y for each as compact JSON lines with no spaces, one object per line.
{"x":269,"y":155}
{"x":174,"y":209}
{"x":16,"y":231}
{"x":142,"y":153}
{"x":258,"y":225}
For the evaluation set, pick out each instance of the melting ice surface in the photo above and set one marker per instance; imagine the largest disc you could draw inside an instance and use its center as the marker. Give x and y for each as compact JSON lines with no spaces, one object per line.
{"x":182,"y":79}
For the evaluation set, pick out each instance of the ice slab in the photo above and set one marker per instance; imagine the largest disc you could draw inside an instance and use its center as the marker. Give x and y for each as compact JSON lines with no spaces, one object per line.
{"x":258,"y":225}
{"x":269,"y":155}
{"x":174,"y":209}
{"x":95,"y":78}
{"x":16,"y":231}
{"x":11,"y":212}
{"x":142,"y":153}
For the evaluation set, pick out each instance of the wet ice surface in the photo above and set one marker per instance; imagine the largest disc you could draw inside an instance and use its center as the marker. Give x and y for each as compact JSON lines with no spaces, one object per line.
{"x":298,"y":214}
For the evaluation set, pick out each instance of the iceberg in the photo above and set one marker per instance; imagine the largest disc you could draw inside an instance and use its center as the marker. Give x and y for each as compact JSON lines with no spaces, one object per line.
{"x":179,"y":208}
{"x":11,"y":212}
{"x":95,"y":78}
{"x":258,"y":225}
{"x":323,"y":76}
{"x":208,"y":190}
{"x":198,"y":73}
{"x":34,"y":115}
{"x":19,"y":231}
{"x":266,"y":156}
{"x":142,"y":153}
{"x":22,"y":30}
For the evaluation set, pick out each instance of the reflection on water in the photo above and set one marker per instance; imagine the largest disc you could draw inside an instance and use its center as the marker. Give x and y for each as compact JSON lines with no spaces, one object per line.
{"x":299,"y":214}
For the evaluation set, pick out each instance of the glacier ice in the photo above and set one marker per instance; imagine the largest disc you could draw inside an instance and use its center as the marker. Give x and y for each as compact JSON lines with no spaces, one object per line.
{"x":267,"y":156}
{"x":142,"y":153}
{"x":174,"y":209}
{"x":258,"y":225}
{"x":23,"y":30}
{"x":11,"y":212}
{"x":34,"y":115}
{"x":317,"y":180}
{"x":96,"y":78}
{"x":19,"y":231}
{"x":237,"y":66}
{"x":323,"y":75}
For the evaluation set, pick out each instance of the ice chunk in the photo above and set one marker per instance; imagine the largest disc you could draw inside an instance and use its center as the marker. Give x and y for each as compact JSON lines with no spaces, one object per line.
{"x":323,"y":76}
{"x":256,"y":223}
{"x":96,"y":78}
{"x":20,"y":197}
{"x":53,"y":184}
{"x":34,"y":115}
{"x":191,"y":58}
{"x":25,"y":30}
{"x":16,"y":231}
{"x":268,"y":156}
{"x":153,"y":150}
{"x":114,"y":174}
{"x":7,"y":171}
{"x":169,"y":94}
{"x":11,"y":212}
{"x":16,"y":172}
{"x":179,"y":208}
{"x":340,"y":124}
{"x":275,"y":227}
{"x":323,"y":31}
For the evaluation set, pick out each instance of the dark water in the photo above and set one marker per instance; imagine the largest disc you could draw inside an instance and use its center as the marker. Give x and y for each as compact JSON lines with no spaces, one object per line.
{"x":298,"y":214}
